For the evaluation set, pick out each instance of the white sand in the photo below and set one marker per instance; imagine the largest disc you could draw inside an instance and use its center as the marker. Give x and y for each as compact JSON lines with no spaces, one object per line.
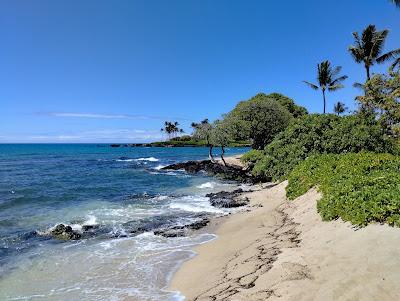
{"x":283,"y":251}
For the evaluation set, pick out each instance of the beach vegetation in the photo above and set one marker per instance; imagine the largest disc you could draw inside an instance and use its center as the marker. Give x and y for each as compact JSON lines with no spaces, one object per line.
{"x":220,"y":136}
{"x":382,"y":101}
{"x":259,"y":119}
{"x":203,"y":131}
{"x":360,"y":188}
{"x":316,"y":134}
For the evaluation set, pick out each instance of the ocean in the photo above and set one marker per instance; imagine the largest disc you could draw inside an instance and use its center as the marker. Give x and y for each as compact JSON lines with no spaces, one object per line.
{"x":120,"y":193}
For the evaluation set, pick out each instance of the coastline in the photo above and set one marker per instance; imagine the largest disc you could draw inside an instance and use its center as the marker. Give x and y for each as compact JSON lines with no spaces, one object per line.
{"x":279,"y":249}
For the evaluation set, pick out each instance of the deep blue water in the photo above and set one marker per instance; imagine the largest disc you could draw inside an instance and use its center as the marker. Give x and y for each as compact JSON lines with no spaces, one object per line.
{"x":117,"y":189}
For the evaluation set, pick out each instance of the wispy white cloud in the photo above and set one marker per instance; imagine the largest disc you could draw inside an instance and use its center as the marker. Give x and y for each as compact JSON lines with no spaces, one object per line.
{"x":97,"y":136}
{"x":106,"y":116}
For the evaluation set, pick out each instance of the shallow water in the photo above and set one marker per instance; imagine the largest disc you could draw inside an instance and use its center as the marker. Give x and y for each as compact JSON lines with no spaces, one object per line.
{"x":117,"y":190}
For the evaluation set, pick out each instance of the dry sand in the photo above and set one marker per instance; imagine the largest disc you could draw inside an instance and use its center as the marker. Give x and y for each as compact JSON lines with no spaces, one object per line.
{"x":281,"y":250}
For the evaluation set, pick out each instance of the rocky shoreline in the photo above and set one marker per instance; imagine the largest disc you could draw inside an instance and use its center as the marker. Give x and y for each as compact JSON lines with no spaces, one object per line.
{"x":228,"y":172}
{"x":223,"y":199}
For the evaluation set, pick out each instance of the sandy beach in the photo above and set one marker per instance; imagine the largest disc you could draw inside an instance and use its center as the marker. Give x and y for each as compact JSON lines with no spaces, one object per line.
{"x":282,"y":250}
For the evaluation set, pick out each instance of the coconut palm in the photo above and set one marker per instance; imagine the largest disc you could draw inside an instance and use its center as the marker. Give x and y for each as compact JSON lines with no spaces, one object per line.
{"x":396,"y":2}
{"x":328,"y":79}
{"x":369,"y":47}
{"x":171,"y":129}
{"x":339,"y":108}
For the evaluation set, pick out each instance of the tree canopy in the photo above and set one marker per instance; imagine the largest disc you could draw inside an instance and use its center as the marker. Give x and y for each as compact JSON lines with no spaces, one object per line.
{"x":260,"y":119}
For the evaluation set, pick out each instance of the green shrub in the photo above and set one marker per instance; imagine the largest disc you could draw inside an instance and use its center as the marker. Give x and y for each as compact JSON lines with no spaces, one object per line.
{"x":360,"y":188}
{"x":317,"y":134}
{"x":252,"y":156}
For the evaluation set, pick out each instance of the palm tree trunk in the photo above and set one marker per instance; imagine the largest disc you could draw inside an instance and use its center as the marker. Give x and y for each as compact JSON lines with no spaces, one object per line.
{"x":323,"y":94}
{"x":222,"y":154}
{"x":368,"y":75}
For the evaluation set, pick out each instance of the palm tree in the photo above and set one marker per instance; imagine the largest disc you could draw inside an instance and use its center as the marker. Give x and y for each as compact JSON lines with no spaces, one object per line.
{"x":327,"y":79}
{"x":369,"y":47}
{"x":339,"y":108}
{"x":172,"y":129}
{"x":396,"y":2}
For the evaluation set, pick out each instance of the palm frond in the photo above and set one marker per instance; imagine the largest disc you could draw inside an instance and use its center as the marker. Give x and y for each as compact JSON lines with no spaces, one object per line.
{"x":396,"y":2}
{"x":311,"y":85}
{"x":395,"y":63}
{"x":356,"y":53}
{"x":335,"y":87}
{"x":339,"y":79}
{"x":389,"y":56}
{"x":359,"y":86}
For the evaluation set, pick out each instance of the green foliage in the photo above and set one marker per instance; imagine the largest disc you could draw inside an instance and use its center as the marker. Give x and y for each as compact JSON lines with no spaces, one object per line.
{"x":202,"y":131}
{"x":288,"y":103}
{"x":182,"y":138}
{"x":220,"y":134}
{"x":382,"y":99}
{"x":194,"y":142}
{"x":316,"y":134}
{"x":252,"y":156}
{"x":260,"y":119}
{"x":360,"y":188}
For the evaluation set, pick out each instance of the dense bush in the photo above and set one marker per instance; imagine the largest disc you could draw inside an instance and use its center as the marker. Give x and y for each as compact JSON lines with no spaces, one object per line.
{"x":360,"y":188}
{"x":260,"y":119}
{"x":252,"y":156}
{"x":316,"y":134}
{"x":288,"y":103}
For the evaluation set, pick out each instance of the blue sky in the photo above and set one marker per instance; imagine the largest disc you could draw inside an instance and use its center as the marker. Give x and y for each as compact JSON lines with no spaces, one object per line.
{"x":113,"y":71}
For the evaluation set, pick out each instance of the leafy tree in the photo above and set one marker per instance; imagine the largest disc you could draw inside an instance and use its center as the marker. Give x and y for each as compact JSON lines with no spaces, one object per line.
{"x":316,"y":134}
{"x":220,"y":136}
{"x":369,"y":47}
{"x":327,"y":79}
{"x":203,"y":131}
{"x":339,"y":108}
{"x":382,"y":99}
{"x":260,"y":119}
{"x":288,"y":103}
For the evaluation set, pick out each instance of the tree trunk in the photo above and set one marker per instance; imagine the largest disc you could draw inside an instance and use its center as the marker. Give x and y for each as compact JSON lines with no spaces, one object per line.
{"x":368,"y":75}
{"x":210,"y":155}
{"x":323,"y":94}
{"x":222,"y":154}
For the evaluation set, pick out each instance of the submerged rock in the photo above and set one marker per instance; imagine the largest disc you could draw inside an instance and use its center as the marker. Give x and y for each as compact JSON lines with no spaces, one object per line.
{"x":225,"y":199}
{"x":179,"y":231}
{"x":170,"y":232}
{"x":64,"y":232}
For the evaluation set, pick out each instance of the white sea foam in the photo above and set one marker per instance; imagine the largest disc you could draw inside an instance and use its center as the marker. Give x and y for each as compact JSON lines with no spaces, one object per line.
{"x":160,"y":198}
{"x":207,"y":185}
{"x":125,"y":160}
{"x":91,"y":221}
{"x":159,"y":167}
{"x":194,"y":204}
{"x":151,"y":159}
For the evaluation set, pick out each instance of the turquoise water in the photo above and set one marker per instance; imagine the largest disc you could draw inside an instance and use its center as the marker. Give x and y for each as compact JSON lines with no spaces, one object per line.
{"x":120,"y":191}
